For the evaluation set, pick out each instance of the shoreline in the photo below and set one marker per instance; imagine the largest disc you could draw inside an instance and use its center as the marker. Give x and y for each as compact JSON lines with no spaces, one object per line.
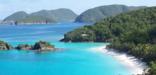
{"x":134,"y":65}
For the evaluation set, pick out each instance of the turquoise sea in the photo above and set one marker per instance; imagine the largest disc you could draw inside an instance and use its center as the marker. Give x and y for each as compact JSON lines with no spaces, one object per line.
{"x":74,"y":59}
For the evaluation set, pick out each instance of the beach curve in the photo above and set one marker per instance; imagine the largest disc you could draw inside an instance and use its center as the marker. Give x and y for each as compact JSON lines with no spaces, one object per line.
{"x":134,"y":65}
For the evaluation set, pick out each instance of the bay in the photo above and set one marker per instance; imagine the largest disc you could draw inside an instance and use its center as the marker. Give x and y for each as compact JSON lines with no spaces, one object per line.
{"x":74,"y":59}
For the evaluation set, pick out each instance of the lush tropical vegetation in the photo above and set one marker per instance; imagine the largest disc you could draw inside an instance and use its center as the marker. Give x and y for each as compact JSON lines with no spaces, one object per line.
{"x":133,"y":32}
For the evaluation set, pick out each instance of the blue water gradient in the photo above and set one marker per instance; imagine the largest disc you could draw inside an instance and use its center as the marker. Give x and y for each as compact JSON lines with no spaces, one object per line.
{"x":74,"y":59}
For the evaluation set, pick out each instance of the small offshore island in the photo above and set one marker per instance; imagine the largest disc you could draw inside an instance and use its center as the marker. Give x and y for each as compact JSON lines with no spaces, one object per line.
{"x":38,"y":46}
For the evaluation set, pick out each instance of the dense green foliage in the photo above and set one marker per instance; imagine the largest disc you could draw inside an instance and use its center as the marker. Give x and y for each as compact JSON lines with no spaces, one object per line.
{"x":152,"y":71}
{"x":82,"y":34}
{"x":50,"y":16}
{"x":99,"y":13}
{"x":132,"y":32}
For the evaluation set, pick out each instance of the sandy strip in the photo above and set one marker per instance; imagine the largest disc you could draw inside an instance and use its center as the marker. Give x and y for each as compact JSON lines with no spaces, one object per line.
{"x":134,"y":65}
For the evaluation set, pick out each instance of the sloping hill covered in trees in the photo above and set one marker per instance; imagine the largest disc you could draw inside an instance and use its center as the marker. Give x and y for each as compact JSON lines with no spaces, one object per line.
{"x":50,"y":16}
{"x":99,"y":13}
{"x":133,"y":32}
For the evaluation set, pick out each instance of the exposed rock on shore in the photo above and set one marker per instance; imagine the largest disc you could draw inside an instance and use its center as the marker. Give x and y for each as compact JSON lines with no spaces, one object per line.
{"x":23,"y":47}
{"x":39,"y":46}
{"x":43,"y":46}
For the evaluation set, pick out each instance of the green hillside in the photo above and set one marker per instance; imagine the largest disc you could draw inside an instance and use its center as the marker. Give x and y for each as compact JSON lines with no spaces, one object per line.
{"x":132,"y":32}
{"x":99,"y":13}
{"x":50,"y":16}
{"x":16,"y":16}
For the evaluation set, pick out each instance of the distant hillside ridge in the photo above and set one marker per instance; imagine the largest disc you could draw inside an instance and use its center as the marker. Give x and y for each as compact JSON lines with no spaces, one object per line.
{"x":99,"y":13}
{"x":43,"y":16}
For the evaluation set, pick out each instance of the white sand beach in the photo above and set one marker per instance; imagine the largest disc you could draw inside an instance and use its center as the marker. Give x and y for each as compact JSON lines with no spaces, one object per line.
{"x":133,"y":64}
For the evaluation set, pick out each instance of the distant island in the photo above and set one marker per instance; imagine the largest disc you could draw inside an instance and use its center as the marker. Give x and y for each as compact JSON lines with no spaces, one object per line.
{"x":132,"y":32}
{"x":99,"y":13}
{"x":41,"y":17}
{"x":66,"y":15}
{"x":38,"y":46}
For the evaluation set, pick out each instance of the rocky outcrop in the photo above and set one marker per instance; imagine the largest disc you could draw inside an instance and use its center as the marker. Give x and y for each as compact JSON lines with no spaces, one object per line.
{"x":38,"y":46}
{"x":43,"y":46}
{"x":23,"y":47}
{"x":5,"y":46}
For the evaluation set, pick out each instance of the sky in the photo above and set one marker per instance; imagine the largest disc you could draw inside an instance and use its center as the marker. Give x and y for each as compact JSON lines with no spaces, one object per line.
{"x":7,"y":7}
